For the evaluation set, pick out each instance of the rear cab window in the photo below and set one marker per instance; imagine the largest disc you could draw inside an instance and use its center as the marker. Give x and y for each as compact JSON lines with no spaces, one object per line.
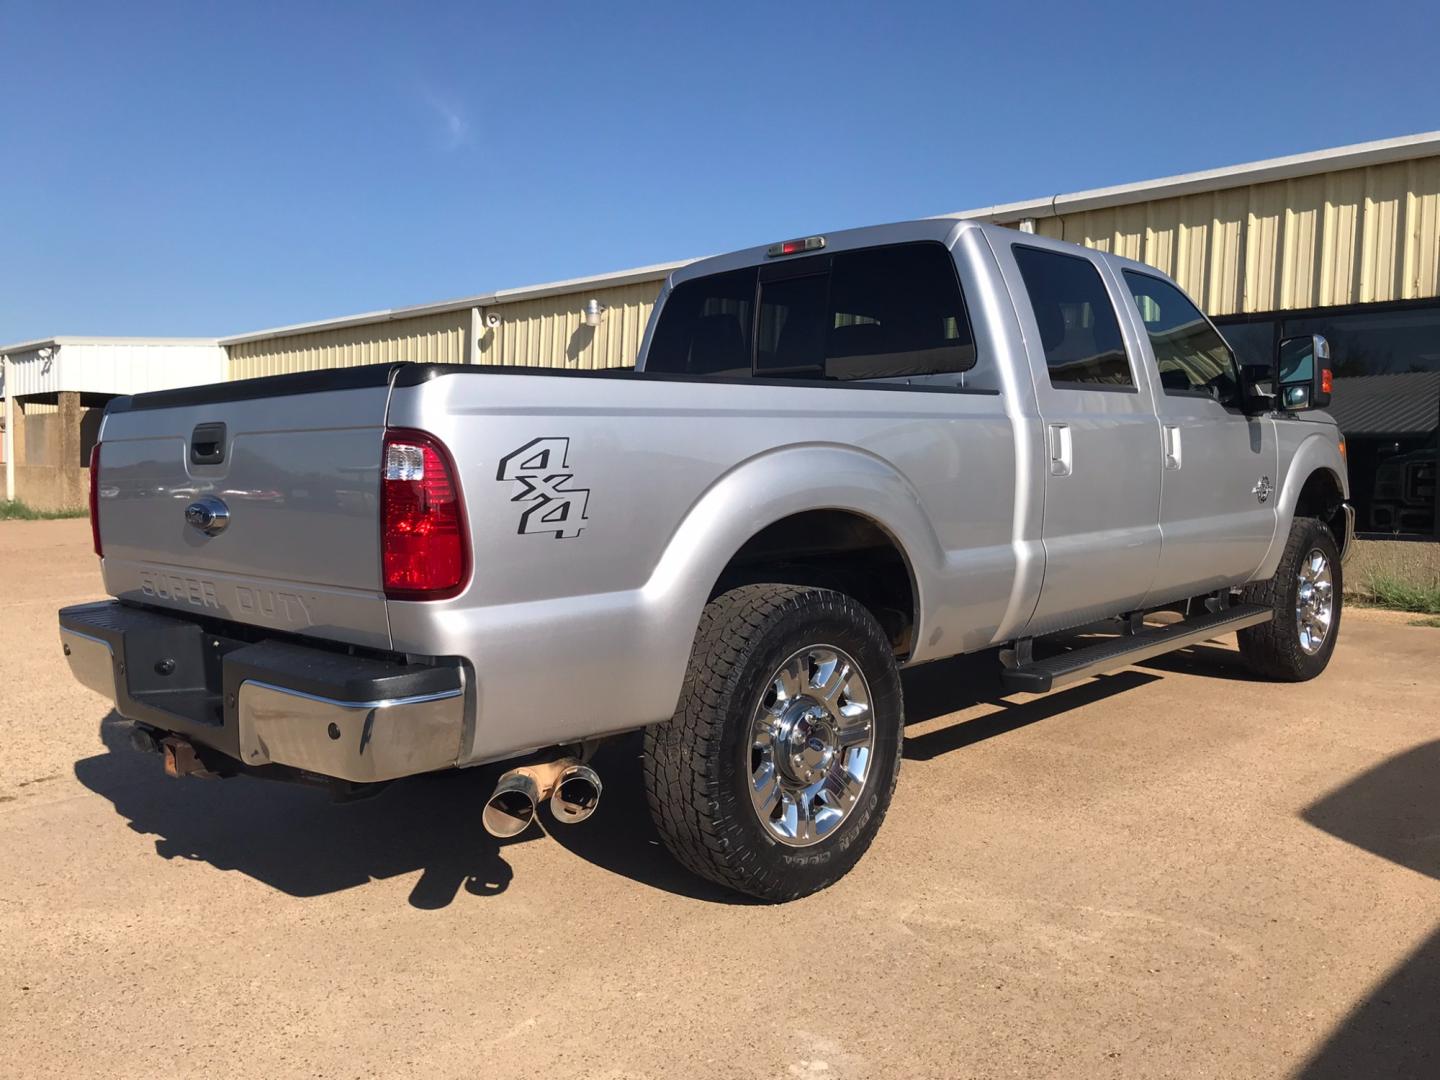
{"x":1079,"y":331}
{"x":705,"y":327}
{"x":870,"y":314}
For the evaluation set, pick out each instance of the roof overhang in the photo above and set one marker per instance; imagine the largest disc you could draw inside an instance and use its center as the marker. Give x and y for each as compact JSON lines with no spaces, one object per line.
{"x":657,"y":272}
{"x":1359,"y":155}
{"x":41,"y":343}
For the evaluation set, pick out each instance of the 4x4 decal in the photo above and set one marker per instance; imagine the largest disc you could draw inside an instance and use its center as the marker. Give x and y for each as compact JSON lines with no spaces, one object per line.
{"x":539,"y":471}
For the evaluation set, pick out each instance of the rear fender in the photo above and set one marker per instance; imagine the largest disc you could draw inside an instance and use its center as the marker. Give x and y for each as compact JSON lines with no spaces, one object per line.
{"x":776,"y":485}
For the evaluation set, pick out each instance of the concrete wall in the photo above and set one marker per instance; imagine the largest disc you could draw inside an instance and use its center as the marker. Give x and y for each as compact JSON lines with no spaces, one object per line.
{"x":1414,"y":564}
{"x":52,"y":452}
{"x":44,"y":487}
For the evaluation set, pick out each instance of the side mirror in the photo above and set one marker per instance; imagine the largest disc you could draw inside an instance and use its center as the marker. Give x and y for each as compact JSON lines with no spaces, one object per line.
{"x":1302,"y":373}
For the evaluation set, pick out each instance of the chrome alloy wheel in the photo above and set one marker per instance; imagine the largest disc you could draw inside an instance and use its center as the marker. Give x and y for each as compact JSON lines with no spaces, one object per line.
{"x":1314,"y":601}
{"x":811,"y":741}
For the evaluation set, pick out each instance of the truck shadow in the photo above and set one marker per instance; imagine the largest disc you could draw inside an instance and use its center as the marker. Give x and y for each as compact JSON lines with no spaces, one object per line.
{"x":1209,"y":661}
{"x":1392,"y":811}
{"x":948,"y":686}
{"x":299,"y":841}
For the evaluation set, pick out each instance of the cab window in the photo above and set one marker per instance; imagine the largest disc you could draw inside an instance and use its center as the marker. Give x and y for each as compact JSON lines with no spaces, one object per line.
{"x":704,"y":328}
{"x":869,"y":314}
{"x":1191,"y":356}
{"x":1078,"y":328}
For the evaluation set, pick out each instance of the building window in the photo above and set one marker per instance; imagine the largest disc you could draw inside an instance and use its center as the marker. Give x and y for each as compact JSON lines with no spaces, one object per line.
{"x":1386,"y":359}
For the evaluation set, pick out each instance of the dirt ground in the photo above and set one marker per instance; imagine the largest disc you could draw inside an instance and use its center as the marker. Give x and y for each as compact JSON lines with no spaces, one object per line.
{"x":1171,"y":871}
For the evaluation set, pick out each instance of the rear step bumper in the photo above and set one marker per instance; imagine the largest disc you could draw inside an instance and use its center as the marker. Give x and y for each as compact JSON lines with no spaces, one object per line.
{"x":1054,"y":672}
{"x":269,"y":703}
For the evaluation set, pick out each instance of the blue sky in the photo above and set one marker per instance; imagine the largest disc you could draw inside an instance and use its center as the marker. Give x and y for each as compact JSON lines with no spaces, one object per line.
{"x":206,"y":168}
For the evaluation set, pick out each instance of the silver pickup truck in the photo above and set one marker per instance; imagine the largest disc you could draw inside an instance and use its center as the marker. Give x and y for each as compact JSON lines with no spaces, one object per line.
{"x":838,"y":456}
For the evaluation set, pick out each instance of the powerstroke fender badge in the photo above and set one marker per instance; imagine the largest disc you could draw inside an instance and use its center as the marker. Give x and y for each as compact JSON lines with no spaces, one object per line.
{"x":539,"y":471}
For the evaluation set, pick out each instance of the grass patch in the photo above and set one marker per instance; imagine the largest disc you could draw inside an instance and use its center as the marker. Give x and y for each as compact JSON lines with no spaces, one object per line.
{"x":1391,"y":592}
{"x":1429,"y":620}
{"x":15,"y":510}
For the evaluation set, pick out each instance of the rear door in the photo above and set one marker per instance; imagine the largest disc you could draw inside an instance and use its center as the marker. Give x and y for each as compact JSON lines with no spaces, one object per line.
{"x":294,"y":466}
{"x":1217,"y":505}
{"x":1101,"y":527}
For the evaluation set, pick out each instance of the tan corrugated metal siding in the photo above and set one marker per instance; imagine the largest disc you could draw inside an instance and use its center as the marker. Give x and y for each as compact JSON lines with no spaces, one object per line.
{"x":1357,"y":236}
{"x":544,"y":332}
{"x":440,"y":338}
{"x":551,"y":331}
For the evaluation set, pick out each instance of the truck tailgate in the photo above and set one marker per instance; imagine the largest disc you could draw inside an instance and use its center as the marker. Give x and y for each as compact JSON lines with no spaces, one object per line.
{"x":295,"y":464}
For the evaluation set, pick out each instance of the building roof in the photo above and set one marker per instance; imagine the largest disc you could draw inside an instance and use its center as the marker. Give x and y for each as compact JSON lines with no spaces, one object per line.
{"x":41,"y":343}
{"x":657,"y":272}
{"x":1354,"y":156}
{"x":1405,"y":147}
{"x":1379,"y":405}
{"x":1256,"y":172}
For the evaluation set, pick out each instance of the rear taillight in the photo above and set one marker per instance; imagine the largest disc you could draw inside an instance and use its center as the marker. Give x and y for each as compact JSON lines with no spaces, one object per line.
{"x":95,"y":499}
{"x":424,"y":550}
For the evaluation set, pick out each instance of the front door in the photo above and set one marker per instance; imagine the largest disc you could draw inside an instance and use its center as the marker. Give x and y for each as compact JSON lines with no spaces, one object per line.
{"x":1102,"y":476}
{"x":1218,"y":486}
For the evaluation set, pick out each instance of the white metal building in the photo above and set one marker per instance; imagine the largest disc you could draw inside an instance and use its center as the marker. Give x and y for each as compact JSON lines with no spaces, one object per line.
{"x":54,"y":392}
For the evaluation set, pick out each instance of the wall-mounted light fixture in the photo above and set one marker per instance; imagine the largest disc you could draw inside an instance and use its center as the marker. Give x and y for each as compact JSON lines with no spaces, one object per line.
{"x":594,"y":312}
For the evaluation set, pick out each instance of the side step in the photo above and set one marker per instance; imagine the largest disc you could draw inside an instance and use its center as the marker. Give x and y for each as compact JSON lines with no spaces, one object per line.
{"x":1042,"y":676}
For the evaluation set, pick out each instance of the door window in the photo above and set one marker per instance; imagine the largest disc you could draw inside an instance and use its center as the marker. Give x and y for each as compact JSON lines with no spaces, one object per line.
{"x":1078,"y":328}
{"x":1191,"y":355}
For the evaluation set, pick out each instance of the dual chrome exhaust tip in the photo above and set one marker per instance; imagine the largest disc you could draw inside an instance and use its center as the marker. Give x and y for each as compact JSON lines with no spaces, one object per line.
{"x":571,"y":789}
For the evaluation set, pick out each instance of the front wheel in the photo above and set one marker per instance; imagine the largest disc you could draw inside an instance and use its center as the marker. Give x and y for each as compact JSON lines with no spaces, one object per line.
{"x":1306,"y":597}
{"x":775,"y":772}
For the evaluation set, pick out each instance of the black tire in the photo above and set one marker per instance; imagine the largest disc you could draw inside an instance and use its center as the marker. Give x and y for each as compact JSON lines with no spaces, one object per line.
{"x":698,"y":764}
{"x":1273,"y":649}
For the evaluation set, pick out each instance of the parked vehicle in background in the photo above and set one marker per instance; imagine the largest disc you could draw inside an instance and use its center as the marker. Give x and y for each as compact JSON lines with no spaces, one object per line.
{"x":1405,"y":492}
{"x":838,"y":456}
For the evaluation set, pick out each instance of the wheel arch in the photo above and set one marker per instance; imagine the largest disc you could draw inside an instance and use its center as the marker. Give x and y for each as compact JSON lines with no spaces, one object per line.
{"x":758,"y":516}
{"x":1316,"y":485}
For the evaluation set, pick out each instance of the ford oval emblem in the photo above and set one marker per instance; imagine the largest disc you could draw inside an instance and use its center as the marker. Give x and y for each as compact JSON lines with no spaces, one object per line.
{"x":208,"y":514}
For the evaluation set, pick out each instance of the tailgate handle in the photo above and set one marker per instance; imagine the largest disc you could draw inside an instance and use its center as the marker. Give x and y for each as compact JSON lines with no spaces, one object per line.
{"x":207,"y":444}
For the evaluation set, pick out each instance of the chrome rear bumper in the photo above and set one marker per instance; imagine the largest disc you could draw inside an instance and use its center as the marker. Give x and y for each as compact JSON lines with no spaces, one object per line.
{"x":353,"y":740}
{"x":354,"y":718}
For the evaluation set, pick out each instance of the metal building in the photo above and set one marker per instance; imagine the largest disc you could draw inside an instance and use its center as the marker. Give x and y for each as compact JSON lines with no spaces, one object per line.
{"x":1344,"y":242}
{"x":55,"y":392}
{"x":544,"y":325}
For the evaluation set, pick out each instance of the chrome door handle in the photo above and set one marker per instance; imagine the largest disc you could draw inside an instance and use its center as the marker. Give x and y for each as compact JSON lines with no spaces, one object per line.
{"x":1172,"y":447}
{"x":1061,"y":454}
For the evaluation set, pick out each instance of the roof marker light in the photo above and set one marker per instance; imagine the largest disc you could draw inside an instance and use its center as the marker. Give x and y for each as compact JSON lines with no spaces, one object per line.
{"x":795,"y":247}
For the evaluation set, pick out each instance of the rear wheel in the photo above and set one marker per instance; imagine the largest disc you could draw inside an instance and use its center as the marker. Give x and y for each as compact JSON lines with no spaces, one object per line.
{"x":774,"y":774}
{"x":1305,"y":597}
